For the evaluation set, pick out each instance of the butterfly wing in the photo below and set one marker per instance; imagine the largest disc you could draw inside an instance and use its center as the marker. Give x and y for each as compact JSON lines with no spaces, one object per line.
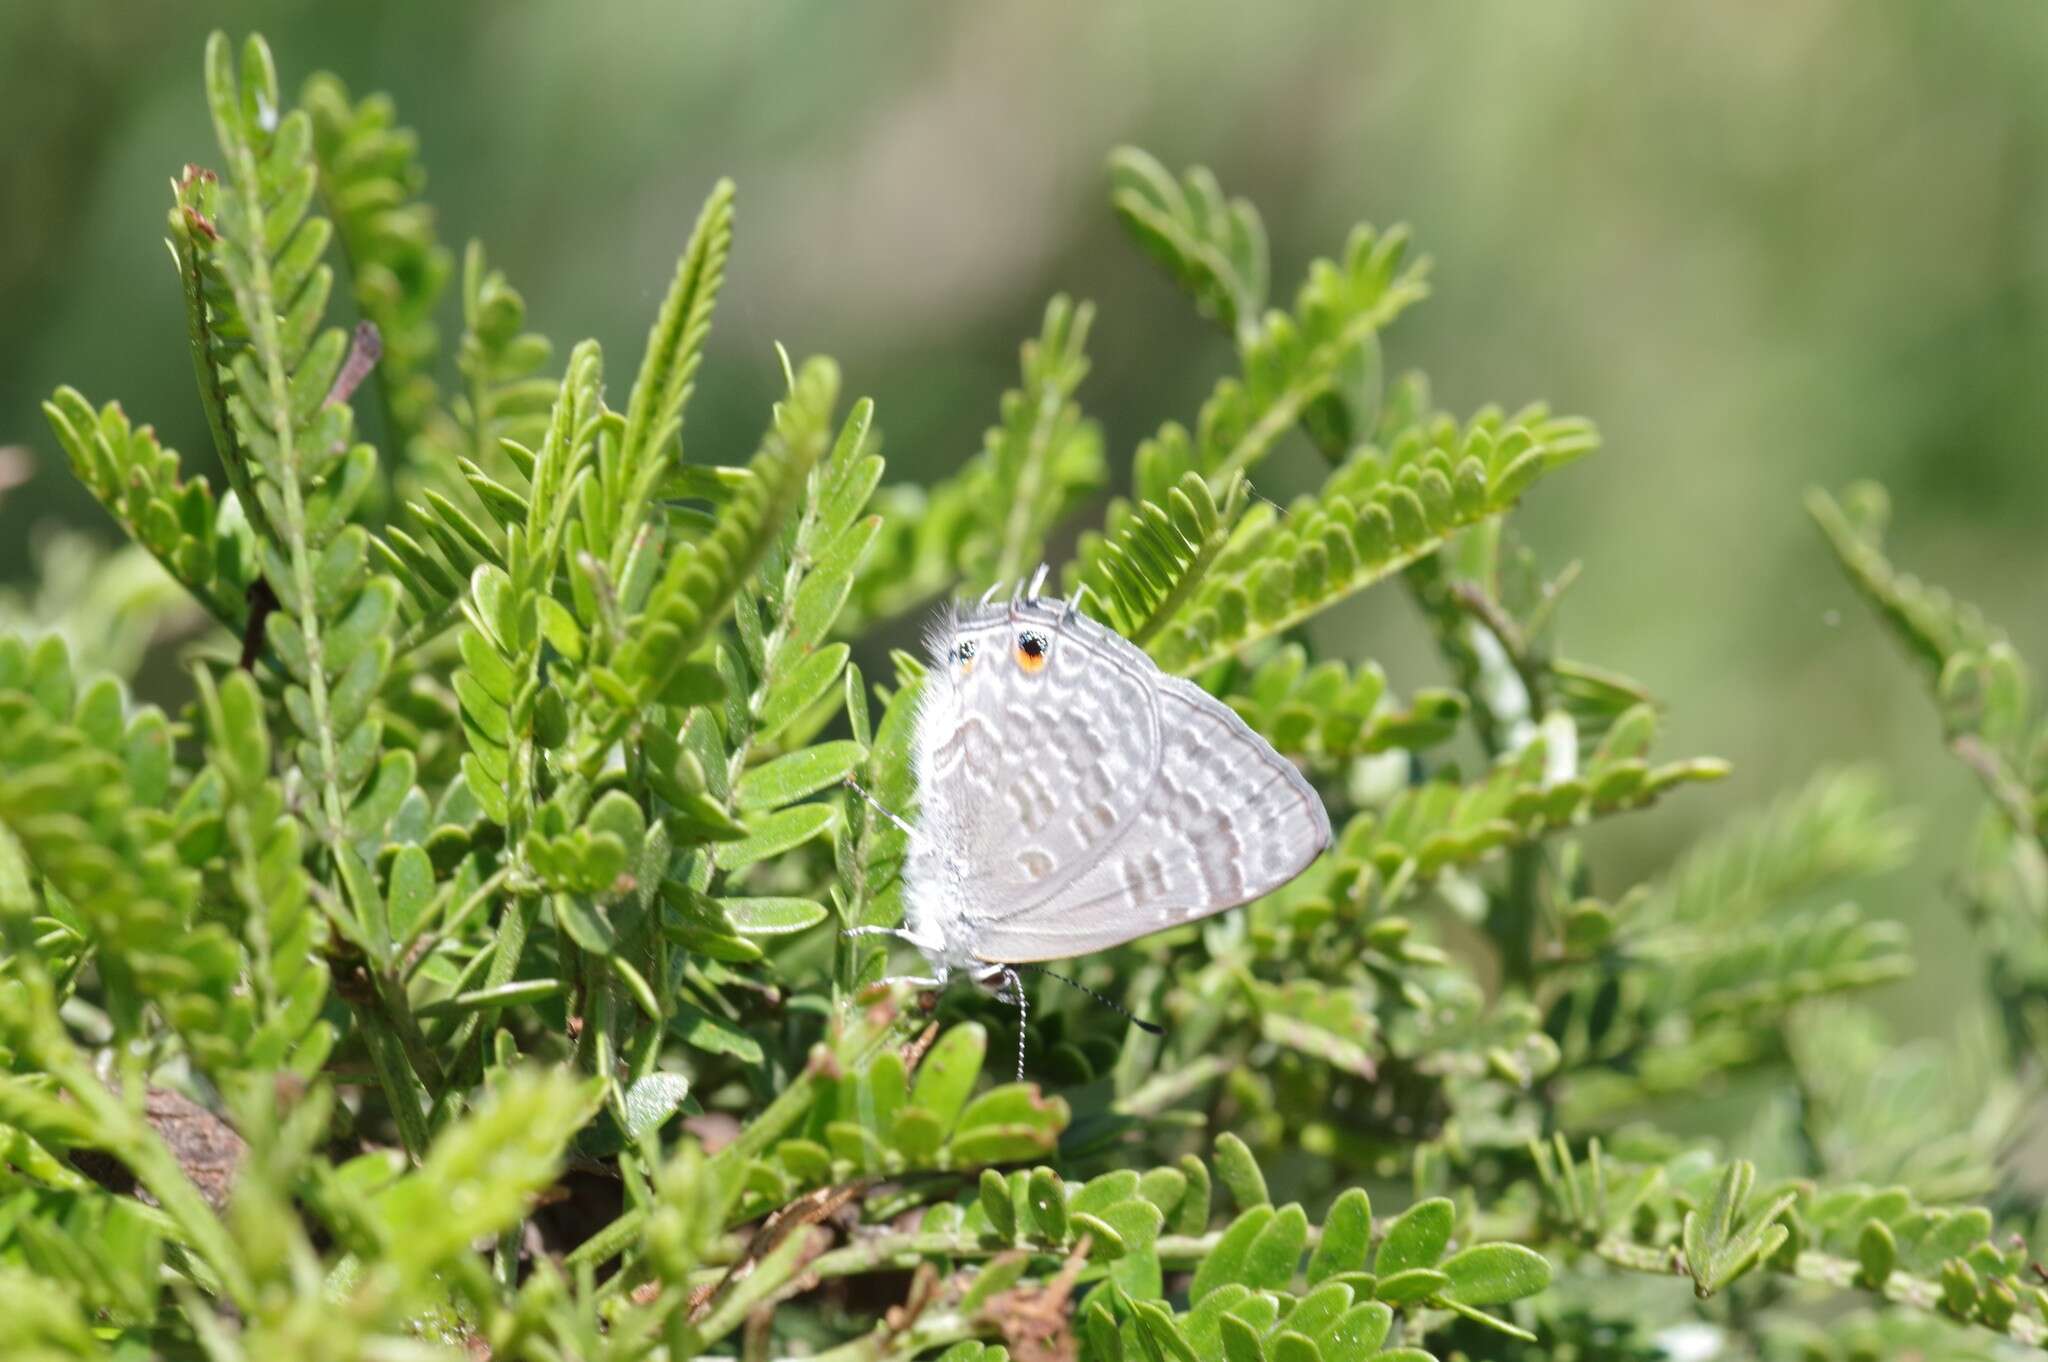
{"x":1026,"y":776}
{"x":1224,"y":820}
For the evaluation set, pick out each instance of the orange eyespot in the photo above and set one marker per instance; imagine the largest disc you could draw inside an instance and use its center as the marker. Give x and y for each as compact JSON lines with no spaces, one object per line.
{"x":1031,"y":649}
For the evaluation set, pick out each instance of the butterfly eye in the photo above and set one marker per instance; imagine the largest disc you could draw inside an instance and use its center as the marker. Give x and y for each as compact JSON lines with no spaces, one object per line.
{"x":1031,"y":650}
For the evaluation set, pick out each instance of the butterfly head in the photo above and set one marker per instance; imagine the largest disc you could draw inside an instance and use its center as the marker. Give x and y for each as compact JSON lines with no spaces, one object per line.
{"x":1016,"y":639}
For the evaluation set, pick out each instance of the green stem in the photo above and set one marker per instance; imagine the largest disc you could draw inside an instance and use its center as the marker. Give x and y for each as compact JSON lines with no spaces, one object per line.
{"x":513,"y":926}
{"x":402,"y":1090}
{"x":1821,"y":1269}
{"x":933,"y":1329}
{"x":1286,"y":410}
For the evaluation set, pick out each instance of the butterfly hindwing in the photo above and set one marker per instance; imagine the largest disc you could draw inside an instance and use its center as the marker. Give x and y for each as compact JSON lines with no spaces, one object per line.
{"x":1224,"y":820}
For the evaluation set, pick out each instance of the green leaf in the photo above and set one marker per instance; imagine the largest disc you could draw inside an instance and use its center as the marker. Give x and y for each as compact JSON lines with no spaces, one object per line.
{"x":1876,"y":1254}
{"x":918,"y":1135}
{"x":1047,"y":1202}
{"x":1227,"y":1261}
{"x":1273,"y":1257}
{"x":411,"y":891}
{"x":483,"y":1170}
{"x":772,"y":916}
{"x":1287,"y":1346}
{"x":789,"y":778}
{"x":1488,"y":1274}
{"x":714,"y":1035}
{"x":775,"y":833}
{"x":675,"y":343}
{"x":800,"y":688}
{"x":1719,"y":1244}
{"x":1346,"y":1237}
{"x":1099,"y":1193}
{"x":1239,"y":1172}
{"x":1193,"y":1215}
{"x":1416,"y":1238}
{"x":1413,"y":1284}
{"x":947,"y":1075}
{"x":997,"y":1205}
{"x":1241,"y":1342}
{"x":1019,"y":1105}
{"x":1156,"y":1327}
{"x":1213,"y":246}
{"x":1357,"y":1333}
{"x":1107,"y":1245}
{"x":652,"y":1100}
{"x":583,"y":923}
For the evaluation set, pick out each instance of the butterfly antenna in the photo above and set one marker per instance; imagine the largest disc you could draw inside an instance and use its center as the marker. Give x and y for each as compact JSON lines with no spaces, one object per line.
{"x":1257,"y":495}
{"x":1152,"y":1028}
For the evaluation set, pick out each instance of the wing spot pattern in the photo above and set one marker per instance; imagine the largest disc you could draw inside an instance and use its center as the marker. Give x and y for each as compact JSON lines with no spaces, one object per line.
{"x":1144,"y":876}
{"x":1031,"y":801}
{"x":1035,"y":864}
{"x":1094,"y":825}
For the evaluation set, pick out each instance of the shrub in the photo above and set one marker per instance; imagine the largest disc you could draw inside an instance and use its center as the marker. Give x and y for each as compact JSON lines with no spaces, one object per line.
{"x":461,"y":968}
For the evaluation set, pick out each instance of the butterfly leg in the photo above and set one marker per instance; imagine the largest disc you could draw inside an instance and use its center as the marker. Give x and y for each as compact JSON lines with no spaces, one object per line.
{"x":914,"y":980}
{"x":896,"y":932}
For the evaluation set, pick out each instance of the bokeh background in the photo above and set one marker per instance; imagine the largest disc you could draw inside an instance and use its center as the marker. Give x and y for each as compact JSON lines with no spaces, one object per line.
{"x":1765,"y":244}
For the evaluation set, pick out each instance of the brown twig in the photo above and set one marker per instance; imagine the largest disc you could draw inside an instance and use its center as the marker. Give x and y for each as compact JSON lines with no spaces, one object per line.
{"x":915,"y":1051}
{"x":805,"y":1211}
{"x":1035,"y":1321}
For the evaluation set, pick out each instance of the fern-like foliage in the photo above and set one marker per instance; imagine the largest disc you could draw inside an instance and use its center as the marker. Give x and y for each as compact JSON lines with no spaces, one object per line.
{"x":371,"y":180}
{"x":1318,"y":366}
{"x":1985,"y":692}
{"x":1379,"y":512}
{"x":488,"y":434}
{"x":1710,"y":1222}
{"x":1329,"y":713}
{"x":292,"y":431}
{"x":240,"y":803}
{"x":1214,"y":246}
{"x":1152,"y":554}
{"x":81,"y":791}
{"x":209,"y":551}
{"x":988,"y":522}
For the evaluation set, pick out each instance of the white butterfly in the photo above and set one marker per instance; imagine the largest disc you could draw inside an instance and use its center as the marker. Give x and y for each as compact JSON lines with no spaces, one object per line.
{"x":1072,"y":797}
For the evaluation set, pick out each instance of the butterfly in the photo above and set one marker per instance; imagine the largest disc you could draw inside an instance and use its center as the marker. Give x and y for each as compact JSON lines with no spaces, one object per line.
{"x":1073,"y":797}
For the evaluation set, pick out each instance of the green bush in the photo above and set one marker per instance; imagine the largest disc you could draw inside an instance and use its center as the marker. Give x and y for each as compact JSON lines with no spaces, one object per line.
{"x":459,"y":970}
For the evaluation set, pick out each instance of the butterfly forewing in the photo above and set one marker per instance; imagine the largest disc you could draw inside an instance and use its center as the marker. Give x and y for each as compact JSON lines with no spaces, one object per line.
{"x":1027,"y":776}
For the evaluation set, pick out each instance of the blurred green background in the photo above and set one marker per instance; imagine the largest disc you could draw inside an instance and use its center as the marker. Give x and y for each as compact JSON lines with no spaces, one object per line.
{"x":1764,"y":245}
